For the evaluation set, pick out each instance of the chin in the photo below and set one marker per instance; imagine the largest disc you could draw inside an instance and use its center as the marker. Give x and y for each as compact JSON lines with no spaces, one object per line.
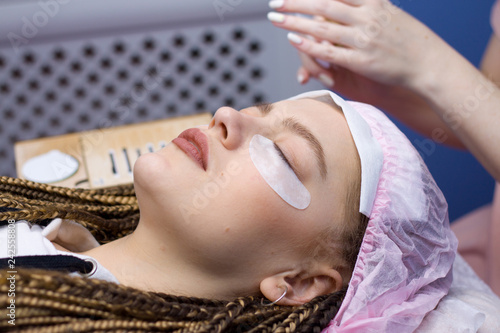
{"x":148,"y":163}
{"x":151,"y":171}
{"x":161,"y":181}
{"x":154,"y":183}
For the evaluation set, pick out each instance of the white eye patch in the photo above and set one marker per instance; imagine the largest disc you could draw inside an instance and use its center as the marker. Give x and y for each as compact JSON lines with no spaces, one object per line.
{"x":277,"y":173}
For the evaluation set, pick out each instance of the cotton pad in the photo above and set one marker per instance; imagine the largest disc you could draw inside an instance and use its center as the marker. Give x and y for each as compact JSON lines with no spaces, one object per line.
{"x":50,"y":167}
{"x":277,"y":173}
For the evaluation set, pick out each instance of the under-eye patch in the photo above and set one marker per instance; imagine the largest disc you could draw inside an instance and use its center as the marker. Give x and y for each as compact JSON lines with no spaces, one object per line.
{"x":277,"y":173}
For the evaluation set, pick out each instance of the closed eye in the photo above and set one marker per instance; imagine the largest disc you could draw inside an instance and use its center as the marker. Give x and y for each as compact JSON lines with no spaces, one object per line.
{"x":300,"y":130}
{"x":283,"y":157}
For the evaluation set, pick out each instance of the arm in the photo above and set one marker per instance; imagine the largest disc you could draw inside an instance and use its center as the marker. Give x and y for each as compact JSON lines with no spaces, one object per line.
{"x":468,"y":102}
{"x":377,"y":40}
{"x":419,"y":115}
{"x":402,"y":103}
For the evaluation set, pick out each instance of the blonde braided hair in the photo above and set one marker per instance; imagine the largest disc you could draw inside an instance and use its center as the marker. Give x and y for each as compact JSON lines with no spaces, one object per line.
{"x":108,"y":213}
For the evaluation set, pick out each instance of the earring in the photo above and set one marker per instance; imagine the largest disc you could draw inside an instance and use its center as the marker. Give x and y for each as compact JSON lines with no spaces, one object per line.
{"x":278,"y":299}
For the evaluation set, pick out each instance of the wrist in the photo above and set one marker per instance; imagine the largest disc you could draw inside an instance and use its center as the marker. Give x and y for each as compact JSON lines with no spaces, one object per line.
{"x":443,"y":77}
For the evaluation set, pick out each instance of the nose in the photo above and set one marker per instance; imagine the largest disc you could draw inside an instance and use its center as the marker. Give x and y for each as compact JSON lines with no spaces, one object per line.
{"x":231,"y":126}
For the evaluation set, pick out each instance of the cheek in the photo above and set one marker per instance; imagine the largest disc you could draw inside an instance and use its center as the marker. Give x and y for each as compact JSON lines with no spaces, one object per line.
{"x":231,"y":211}
{"x":239,"y":199}
{"x":265,"y":211}
{"x":249,"y":192}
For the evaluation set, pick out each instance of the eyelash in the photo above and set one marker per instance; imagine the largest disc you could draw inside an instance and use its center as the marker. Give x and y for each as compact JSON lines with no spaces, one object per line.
{"x":280,"y":152}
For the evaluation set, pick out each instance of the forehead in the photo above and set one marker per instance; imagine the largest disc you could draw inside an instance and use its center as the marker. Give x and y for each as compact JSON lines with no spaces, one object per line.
{"x":326,"y":122}
{"x":309,"y":105}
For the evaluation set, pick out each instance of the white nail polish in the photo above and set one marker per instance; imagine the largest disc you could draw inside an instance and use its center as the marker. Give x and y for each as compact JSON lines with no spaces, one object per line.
{"x":275,"y":17}
{"x":326,"y":80}
{"x":300,"y":78}
{"x":294,"y":38}
{"x":274,"y":4}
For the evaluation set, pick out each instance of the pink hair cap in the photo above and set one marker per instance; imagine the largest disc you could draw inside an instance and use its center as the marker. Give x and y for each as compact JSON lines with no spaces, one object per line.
{"x":404,"y":266}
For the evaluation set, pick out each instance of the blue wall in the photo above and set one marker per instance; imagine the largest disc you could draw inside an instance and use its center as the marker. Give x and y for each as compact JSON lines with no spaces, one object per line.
{"x":465,"y":24}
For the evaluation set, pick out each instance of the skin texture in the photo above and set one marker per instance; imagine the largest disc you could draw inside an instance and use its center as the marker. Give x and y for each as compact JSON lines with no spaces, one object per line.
{"x":381,"y":55}
{"x":223,"y":232}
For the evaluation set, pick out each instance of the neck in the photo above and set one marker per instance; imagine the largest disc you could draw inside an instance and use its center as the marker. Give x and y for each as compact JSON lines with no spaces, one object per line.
{"x":143,"y":261}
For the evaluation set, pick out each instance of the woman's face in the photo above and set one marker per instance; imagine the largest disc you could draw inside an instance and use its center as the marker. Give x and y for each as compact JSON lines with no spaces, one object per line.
{"x":215,"y":208}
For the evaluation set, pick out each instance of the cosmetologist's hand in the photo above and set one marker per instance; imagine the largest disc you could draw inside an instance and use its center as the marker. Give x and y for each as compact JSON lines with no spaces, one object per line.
{"x":373,"y":39}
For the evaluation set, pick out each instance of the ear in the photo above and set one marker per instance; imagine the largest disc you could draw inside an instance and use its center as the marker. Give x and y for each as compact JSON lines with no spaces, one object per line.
{"x":302,"y":286}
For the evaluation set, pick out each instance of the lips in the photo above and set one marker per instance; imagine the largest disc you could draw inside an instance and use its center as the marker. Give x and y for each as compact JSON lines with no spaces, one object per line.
{"x":195,"y":144}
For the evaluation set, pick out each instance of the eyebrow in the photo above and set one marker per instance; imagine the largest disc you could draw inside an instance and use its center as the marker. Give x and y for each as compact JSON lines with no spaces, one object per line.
{"x":297,"y":128}
{"x":264,"y":108}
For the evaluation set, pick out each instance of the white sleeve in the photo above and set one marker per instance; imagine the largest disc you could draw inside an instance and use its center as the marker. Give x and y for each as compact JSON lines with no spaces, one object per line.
{"x":470,"y":305}
{"x":28,"y":240}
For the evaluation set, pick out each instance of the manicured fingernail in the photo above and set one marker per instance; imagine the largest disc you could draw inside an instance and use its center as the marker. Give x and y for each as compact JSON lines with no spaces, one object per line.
{"x":294,"y":38}
{"x":275,"y":17}
{"x":300,"y":78}
{"x":274,"y":4}
{"x":326,"y":80}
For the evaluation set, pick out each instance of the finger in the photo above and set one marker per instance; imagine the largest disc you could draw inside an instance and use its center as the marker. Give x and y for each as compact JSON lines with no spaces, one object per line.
{"x":314,"y":69}
{"x":332,"y":54}
{"x":309,"y":64}
{"x":319,"y":29}
{"x":302,"y":75}
{"x":340,"y":11}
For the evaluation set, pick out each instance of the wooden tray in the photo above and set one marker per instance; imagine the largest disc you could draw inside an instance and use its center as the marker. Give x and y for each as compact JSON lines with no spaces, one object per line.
{"x":106,"y":156}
